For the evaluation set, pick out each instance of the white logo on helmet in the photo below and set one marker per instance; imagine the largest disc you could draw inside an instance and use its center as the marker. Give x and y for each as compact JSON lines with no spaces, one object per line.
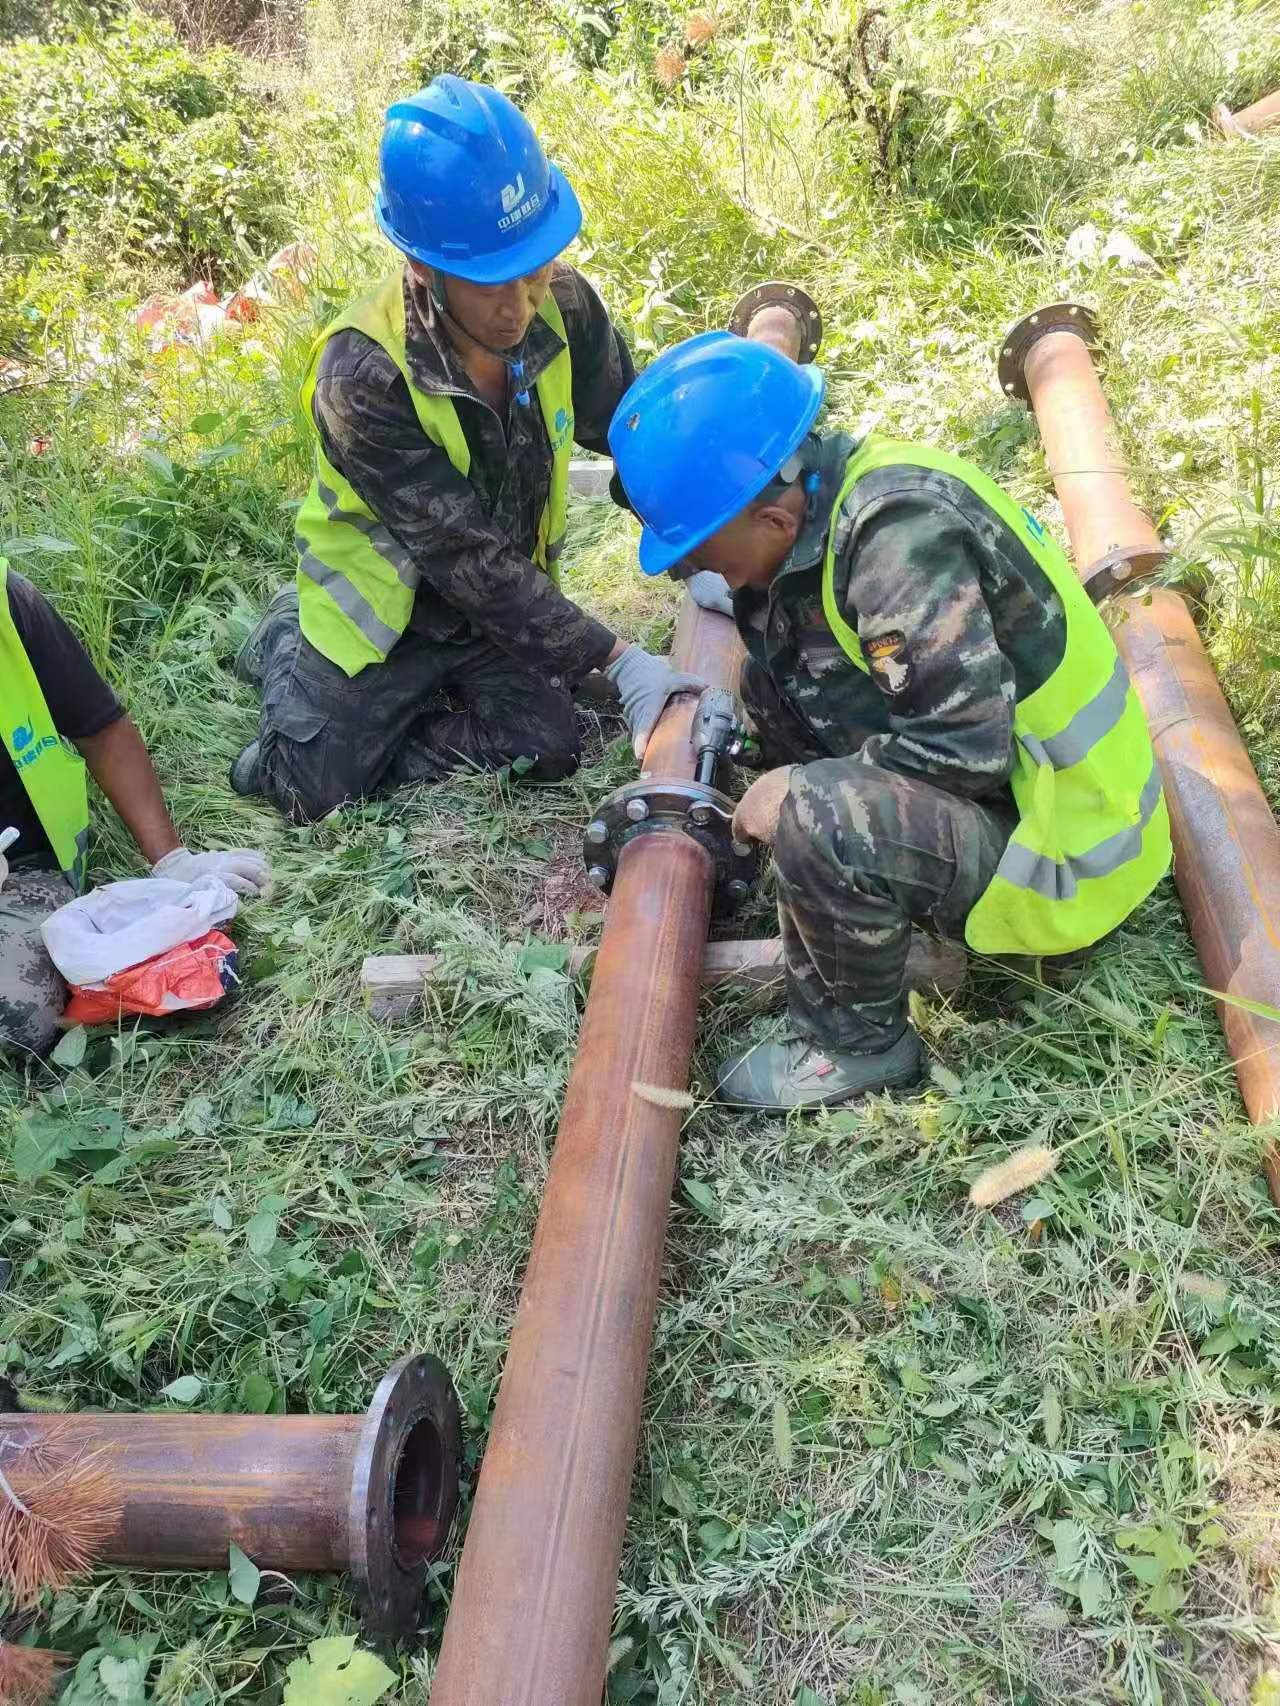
{"x":516,"y":205}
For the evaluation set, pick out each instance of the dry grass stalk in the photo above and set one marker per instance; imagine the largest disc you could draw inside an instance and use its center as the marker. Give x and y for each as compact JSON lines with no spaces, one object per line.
{"x":56,"y":1513}
{"x":1024,"y":1168}
{"x":661,"y":1096}
{"x":29,"y":1675}
{"x":669,"y":66}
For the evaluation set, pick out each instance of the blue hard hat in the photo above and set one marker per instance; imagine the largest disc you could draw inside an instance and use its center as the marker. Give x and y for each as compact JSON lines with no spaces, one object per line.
{"x":702,"y":432}
{"x":465,"y":186}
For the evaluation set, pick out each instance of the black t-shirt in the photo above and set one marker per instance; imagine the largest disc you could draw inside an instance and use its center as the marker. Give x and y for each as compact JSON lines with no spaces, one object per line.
{"x":79,"y":700}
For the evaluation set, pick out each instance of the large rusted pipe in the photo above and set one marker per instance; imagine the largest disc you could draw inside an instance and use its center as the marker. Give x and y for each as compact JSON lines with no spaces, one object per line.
{"x":1249,"y":121}
{"x":371,"y":1495}
{"x":1225,"y":839}
{"x":533,"y":1602}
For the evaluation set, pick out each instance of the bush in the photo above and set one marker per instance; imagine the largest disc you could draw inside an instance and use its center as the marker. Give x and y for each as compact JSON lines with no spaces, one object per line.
{"x":122,"y":142}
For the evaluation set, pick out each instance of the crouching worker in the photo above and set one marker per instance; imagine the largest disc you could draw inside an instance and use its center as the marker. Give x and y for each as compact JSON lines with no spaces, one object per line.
{"x":50,"y":693}
{"x":953,"y":739}
{"x":427,"y":631}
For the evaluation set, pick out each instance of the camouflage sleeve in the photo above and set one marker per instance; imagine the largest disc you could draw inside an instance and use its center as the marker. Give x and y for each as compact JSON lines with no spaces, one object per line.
{"x":602,"y":364}
{"x":908,"y":574}
{"x":369,"y":431}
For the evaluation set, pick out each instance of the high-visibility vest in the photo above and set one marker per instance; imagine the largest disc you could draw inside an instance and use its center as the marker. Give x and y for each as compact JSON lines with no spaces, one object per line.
{"x":51,"y":773}
{"x":356,"y":583}
{"x":1092,"y":837}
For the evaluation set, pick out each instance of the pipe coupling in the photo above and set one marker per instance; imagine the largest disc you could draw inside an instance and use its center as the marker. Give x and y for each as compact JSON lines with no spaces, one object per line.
{"x":671,"y":806}
{"x":1018,"y":344}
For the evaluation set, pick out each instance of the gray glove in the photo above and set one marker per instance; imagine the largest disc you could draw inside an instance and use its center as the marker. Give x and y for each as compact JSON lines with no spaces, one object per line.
{"x":646,"y":683}
{"x":242,"y":869}
{"x":711,"y":591}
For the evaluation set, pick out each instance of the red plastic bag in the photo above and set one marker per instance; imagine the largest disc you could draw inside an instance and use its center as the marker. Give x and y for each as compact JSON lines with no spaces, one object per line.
{"x":196,"y":974}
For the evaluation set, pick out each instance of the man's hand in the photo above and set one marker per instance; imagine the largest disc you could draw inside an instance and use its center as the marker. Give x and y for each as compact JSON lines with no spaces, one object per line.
{"x":646,"y":683}
{"x":711,"y":591}
{"x":756,"y":818}
{"x":242,"y":869}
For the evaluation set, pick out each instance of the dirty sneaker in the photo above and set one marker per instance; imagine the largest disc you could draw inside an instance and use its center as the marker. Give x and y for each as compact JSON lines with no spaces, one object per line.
{"x":278,"y":619}
{"x":796,"y":1073}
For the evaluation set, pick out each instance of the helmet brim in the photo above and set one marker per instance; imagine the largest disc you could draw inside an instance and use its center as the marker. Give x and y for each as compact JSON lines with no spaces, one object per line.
{"x":552,"y":236}
{"x":657,"y":555}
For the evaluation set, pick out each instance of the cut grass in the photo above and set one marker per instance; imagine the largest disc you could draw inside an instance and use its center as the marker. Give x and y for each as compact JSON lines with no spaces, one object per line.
{"x":895,"y":1450}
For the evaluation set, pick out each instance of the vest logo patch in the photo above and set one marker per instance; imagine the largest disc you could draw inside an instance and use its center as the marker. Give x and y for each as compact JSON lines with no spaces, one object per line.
{"x":561,"y":427}
{"x":884,"y":659}
{"x":1034,"y":528}
{"x":25,"y":749}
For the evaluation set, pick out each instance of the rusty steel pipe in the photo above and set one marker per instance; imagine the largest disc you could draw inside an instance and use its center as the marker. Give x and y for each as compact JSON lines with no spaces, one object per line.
{"x":1251,"y":120}
{"x":372,"y":1495}
{"x":533,"y":1601}
{"x":1225,"y":839}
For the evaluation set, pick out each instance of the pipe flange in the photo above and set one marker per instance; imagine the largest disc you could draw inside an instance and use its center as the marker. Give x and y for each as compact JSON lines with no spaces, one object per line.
{"x":778,"y":294}
{"x":1057,"y":317}
{"x":671,"y":806}
{"x":1120,"y":568}
{"x":404,"y":1491}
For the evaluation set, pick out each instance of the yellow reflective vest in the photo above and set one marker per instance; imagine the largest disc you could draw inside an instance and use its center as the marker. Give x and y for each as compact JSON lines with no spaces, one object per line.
{"x":51,"y":773}
{"x":1092,"y":838}
{"x":356,"y":583}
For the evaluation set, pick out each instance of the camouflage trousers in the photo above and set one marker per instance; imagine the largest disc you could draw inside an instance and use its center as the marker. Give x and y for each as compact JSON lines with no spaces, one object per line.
{"x":432,"y":708}
{"x":862,"y":854}
{"x":32,"y":995}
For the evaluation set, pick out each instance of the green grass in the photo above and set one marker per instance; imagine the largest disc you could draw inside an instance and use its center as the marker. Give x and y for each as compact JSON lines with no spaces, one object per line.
{"x":894,"y":1451}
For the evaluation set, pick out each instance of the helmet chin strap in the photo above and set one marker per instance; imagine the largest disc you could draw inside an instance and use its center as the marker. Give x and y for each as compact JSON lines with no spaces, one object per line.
{"x":514,"y":362}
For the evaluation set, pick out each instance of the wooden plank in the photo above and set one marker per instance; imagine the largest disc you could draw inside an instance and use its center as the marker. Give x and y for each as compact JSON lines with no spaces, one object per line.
{"x":394,"y":984}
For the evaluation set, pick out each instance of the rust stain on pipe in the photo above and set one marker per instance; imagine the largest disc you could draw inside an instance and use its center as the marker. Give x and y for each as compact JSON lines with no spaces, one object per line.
{"x":372,"y":1495}
{"x":533,"y":1603}
{"x":1225,"y":838}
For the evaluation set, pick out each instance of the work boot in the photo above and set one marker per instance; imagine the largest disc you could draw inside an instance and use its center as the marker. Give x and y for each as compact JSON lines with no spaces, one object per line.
{"x":245,"y":774}
{"x":279,"y":618}
{"x":797,"y":1073}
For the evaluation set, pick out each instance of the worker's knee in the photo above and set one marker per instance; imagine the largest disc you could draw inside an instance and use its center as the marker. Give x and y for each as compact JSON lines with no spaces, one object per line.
{"x":548,"y":748}
{"x":32,"y":995}
{"x":836,"y":820}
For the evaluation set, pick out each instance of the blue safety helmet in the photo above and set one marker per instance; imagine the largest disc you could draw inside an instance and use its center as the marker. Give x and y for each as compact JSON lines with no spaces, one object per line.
{"x":702,"y":432}
{"x":466,"y":188}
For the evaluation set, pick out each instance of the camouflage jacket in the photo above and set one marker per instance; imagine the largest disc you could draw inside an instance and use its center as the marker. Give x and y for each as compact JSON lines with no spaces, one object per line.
{"x":471,"y":537}
{"x":956,"y":619}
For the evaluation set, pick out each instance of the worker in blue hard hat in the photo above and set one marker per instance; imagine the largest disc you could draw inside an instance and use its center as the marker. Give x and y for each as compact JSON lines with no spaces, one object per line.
{"x":425,"y":629}
{"x":951,"y":739}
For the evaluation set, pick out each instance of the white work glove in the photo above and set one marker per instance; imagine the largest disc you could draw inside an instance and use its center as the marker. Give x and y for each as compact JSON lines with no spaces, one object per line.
{"x":646,"y":683}
{"x":242,"y":869}
{"x":711,"y":591}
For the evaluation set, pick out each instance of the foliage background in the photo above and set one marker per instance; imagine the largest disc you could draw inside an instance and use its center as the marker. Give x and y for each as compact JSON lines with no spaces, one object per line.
{"x":893,"y":1452}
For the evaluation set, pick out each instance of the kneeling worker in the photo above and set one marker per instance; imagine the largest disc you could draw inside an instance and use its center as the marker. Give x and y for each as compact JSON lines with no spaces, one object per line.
{"x":50,"y":692}
{"x":428,"y":632}
{"x":954,"y":740}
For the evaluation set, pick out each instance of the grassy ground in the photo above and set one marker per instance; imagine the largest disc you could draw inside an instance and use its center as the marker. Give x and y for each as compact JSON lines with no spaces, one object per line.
{"x":893,"y":1451}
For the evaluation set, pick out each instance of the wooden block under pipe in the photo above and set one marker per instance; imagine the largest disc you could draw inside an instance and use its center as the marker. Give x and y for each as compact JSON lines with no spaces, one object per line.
{"x":394,"y":984}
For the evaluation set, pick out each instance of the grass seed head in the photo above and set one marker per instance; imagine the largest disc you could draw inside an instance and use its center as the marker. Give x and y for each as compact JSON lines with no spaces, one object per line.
{"x":669,"y":66}
{"x":1024,"y":1168}
{"x":661,"y":1096}
{"x":701,"y":27}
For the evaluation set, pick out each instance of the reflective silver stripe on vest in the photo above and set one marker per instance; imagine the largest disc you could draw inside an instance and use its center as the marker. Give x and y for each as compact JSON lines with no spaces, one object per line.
{"x":351,"y":602}
{"x":1045,"y":876}
{"x":387,"y":548}
{"x":1089,"y":724}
